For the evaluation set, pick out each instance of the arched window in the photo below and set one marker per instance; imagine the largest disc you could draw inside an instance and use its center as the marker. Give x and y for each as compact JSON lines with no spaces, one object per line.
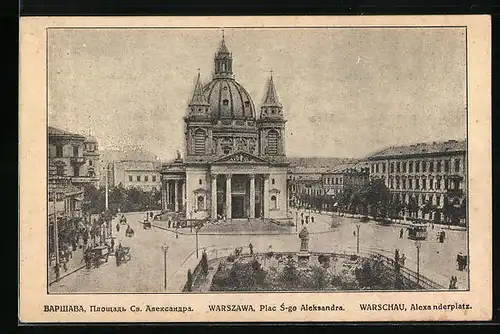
{"x":274,"y":203}
{"x":272,"y":142}
{"x":200,"y":203}
{"x":199,"y":141}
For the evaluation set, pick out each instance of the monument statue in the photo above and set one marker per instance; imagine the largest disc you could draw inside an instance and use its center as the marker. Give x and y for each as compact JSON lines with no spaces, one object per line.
{"x":304,"y":240}
{"x":179,"y":155}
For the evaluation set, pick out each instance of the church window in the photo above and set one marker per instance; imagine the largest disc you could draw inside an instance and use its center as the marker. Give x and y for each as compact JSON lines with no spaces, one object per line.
{"x":225,"y":88}
{"x":138,"y":178}
{"x":225,"y":102}
{"x":130,"y":179}
{"x":272,"y":142}
{"x":200,"y":182}
{"x":200,"y":203}
{"x":273,"y":111}
{"x":146,"y":178}
{"x":273,"y":181}
{"x":90,"y":162}
{"x":247,"y":104}
{"x":274,"y":203}
{"x":199,"y":141}
{"x":226,"y":150}
{"x":60,"y":170}
{"x":154,"y":178}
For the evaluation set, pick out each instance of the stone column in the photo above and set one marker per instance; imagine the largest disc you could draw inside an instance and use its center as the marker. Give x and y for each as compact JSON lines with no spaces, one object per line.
{"x":265,"y":196}
{"x":252,"y":196}
{"x":228,"y":196}
{"x":184,"y":196}
{"x":176,"y":195}
{"x":163,"y":198}
{"x":214,"y":197}
{"x":167,"y":195}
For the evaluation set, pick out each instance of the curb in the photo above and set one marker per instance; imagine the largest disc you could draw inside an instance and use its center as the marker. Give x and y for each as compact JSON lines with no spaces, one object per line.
{"x":67,"y":274}
{"x":234,"y":234}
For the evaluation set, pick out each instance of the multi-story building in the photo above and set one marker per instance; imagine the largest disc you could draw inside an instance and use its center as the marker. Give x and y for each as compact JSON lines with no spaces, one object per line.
{"x":303,"y":182}
{"x":427,"y":174}
{"x":336,"y":179}
{"x":144,"y":175}
{"x":71,"y":155}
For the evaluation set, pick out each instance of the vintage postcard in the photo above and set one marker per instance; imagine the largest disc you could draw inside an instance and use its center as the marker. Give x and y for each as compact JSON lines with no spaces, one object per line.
{"x":209,"y":169}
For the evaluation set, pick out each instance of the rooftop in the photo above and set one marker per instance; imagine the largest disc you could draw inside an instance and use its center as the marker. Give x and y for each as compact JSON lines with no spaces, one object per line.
{"x":422,"y":149}
{"x":52,"y":131}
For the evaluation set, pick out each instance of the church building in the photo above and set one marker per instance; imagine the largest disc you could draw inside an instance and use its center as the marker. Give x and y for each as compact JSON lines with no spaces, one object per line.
{"x":234,"y":163}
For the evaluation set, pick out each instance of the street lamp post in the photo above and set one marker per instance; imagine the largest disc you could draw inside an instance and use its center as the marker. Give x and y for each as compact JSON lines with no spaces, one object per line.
{"x":357,"y":238}
{"x":296,"y":219}
{"x":165,"y":250}
{"x":197,"y":228}
{"x":418,"y":244}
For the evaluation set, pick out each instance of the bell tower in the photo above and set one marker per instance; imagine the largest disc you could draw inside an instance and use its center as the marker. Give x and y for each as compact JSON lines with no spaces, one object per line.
{"x":271,"y":123}
{"x":197,"y":123}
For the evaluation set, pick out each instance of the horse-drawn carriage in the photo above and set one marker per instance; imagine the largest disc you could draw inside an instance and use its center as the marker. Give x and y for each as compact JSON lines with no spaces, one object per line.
{"x":95,"y":256}
{"x":122,"y":254}
{"x":417,"y":232}
{"x":123,"y":220}
{"x":129,"y":232}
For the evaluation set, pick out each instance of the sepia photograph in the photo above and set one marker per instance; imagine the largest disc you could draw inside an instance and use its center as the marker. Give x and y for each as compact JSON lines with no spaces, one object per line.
{"x":257,"y":160}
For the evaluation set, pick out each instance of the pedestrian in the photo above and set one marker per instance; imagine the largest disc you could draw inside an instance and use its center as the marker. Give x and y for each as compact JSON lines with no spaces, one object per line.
{"x":177,"y":232}
{"x":65,"y":264}
{"x":403,"y":259}
{"x":396,"y":255}
{"x":250,"y":246}
{"x":169,"y":223}
{"x":57,"y":272}
{"x":312,"y":219}
{"x":117,"y":227}
{"x":302,"y":220}
{"x":354,"y":233}
{"x":401,"y":232}
{"x":112,"y":244}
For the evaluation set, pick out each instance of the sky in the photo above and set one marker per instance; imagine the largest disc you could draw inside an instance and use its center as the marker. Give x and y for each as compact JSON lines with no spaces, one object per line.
{"x":346,"y":92}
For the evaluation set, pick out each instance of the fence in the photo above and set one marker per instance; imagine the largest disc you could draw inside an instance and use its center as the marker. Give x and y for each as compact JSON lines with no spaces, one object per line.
{"x":215,"y":252}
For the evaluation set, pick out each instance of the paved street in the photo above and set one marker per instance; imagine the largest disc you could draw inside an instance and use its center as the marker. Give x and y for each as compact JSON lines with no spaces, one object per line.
{"x":144,"y":272}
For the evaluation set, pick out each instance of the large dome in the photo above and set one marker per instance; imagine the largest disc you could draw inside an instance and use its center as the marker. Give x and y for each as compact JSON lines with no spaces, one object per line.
{"x":228,"y":99}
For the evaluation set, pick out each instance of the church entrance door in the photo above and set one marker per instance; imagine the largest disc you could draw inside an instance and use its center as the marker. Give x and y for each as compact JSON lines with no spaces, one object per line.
{"x":238,"y":206}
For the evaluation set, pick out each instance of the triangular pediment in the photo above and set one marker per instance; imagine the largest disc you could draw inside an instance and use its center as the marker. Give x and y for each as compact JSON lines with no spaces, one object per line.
{"x":240,"y":157}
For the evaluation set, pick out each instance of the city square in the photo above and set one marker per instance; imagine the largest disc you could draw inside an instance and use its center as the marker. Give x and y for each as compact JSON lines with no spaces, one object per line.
{"x":127,"y":222}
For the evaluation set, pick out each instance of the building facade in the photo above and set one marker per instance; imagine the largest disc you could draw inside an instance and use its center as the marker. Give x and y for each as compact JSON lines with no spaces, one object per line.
{"x":234,"y":163}
{"x":304,"y":182}
{"x":432,"y":174}
{"x":74,"y":157}
{"x":144,"y":175}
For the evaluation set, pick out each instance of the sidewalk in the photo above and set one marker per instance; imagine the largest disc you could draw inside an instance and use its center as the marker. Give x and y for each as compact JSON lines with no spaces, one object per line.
{"x":74,"y":264}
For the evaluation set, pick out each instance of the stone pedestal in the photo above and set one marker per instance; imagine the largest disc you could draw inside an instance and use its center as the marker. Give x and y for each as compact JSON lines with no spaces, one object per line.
{"x":303,"y":258}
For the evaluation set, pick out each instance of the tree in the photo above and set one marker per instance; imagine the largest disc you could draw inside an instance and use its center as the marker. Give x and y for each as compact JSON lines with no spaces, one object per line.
{"x":204,"y":264}
{"x":319,"y":278}
{"x":93,"y":199}
{"x":324,"y":260}
{"x":290,"y":273}
{"x":189,"y":283}
{"x":374,"y":197}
